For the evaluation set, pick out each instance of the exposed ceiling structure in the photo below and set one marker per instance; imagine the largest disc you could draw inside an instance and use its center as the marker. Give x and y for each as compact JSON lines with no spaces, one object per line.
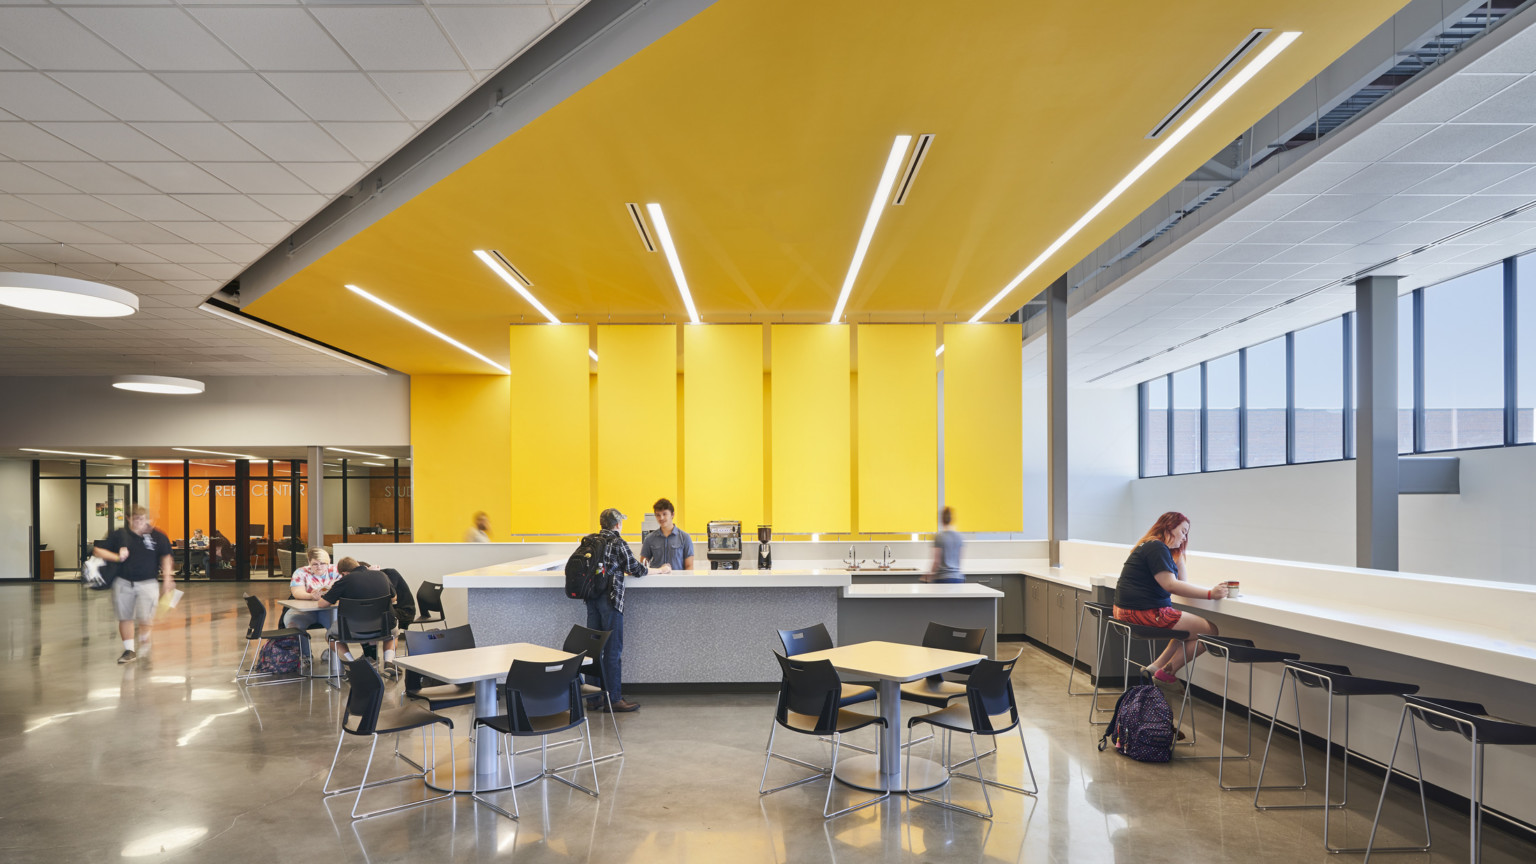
{"x":762,"y":130}
{"x":163,"y":148}
{"x":1447,"y":163}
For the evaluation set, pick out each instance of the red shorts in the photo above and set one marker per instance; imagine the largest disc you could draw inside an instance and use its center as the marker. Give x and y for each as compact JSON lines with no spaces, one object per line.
{"x":1164,"y":618}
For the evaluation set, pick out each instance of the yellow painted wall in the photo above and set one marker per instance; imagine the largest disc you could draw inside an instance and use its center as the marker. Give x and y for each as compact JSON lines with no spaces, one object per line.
{"x":812,"y":438}
{"x":636,"y":417}
{"x":723,"y":425}
{"x":550,"y":430}
{"x":897,"y":427}
{"x":983,"y":426}
{"x":460,"y":460}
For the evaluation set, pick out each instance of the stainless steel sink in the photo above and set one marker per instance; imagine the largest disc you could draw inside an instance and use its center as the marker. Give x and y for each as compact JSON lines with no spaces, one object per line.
{"x":880,"y":569}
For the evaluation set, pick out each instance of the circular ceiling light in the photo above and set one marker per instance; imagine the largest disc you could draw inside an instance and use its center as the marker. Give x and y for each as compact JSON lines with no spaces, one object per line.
{"x":61,"y":295}
{"x":157,"y":384}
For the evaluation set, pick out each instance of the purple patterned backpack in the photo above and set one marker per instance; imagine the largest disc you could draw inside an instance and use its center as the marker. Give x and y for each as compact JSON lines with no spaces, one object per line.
{"x":1143,"y":725}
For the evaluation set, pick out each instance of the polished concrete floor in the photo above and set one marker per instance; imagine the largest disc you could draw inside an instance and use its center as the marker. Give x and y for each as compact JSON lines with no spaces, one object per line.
{"x":169,"y":760}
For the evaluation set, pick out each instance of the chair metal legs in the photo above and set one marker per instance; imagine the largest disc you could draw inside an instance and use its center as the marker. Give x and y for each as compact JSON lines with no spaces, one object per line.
{"x":508,"y":752}
{"x":1476,"y":814}
{"x":1125,"y":669}
{"x":374,"y":785}
{"x":1093,"y":706}
{"x":830,"y":772}
{"x":244,"y":675}
{"x":913,"y":795}
{"x":612,"y":719}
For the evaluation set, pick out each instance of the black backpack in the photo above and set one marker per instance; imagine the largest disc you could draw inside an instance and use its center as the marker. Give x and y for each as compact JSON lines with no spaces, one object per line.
{"x":586,"y":574}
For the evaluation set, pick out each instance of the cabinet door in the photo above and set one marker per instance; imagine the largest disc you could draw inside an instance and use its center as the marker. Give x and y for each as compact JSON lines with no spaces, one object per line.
{"x":1088,"y":645}
{"x":1063,"y":618}
{"x":1011,"y":614}
{"x":1035,"y":613}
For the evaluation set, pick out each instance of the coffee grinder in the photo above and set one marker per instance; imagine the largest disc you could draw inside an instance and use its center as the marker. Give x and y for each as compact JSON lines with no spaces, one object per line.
{"x":764,"y":552}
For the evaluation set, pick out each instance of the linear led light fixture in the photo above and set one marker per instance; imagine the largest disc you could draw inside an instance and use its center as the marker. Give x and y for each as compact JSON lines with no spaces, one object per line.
{"x":247,"y":321}
{"x":940,"y":352}
{"x":665,"y":236}
{"x":400,"y":313}
{"x":592,"y":354}
{"x":68,"y":453}
{"x":217,"y":453}
{"x":1270,"y":52}
{"x":360,"y":453}
{"x":876,"y":207}
{"x":503,"y":268}
{"x":645,"y":236}
{"x":914,"y":165}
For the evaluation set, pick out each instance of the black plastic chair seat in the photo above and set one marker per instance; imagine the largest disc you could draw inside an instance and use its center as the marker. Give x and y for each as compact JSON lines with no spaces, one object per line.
{"x":441,"y":696}
{"x":957,"y":718}
{"x":1243,"y":650}
{"x":392,"y":720}
{"x":936,"y":693}
{"x":1345,"y":684}
{"x":545,"y":725}
{"x":1141,"y":631}
{"x":847,"y":721}
{"x":277,"y":634}
{"x":1103,"y":610}
{"x":427,"y":619}
{"x":1472,"y":716}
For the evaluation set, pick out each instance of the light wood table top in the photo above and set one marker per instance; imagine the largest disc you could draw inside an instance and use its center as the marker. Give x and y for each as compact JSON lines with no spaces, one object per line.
{"x":301,"y":605}
{"x":891,"y":661}
{"x":469,"y":665}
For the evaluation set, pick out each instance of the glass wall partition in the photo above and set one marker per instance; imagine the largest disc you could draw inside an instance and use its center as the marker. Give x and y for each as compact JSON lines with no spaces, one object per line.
{"x":367,"y":501}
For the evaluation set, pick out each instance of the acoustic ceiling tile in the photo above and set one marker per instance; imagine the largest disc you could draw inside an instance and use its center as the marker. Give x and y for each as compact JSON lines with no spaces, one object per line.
{"x":45,"y":38}
{"x":17,"y":178}
{"x":327,"y":96}
{"x":371,"y":142}
{"x":159,"y":39}
{"x":275,"y":39}
{"x":131,"y":95}
{"x":421,"y":96}
{"x":289,"y":142}
{"x":489,"y":36}
{"x":384,"y":38}
{"x":33,"y":96}
{"x":110,"y":142}
{"x":175,"y":177}
{"x":254,"y":177}
{"x":92,"y":177}
{"x":202,"y":142}
{"x":230,"y":96}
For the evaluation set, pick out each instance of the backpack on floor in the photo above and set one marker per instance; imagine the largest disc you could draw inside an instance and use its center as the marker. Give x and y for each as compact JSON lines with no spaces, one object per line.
{"x":586,"y":574}
{"x":278,"y":656}
{"x":1142,"y":727}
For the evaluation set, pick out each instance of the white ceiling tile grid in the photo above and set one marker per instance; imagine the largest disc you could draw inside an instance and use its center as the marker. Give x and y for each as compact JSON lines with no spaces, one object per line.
{"x":163,"y":147}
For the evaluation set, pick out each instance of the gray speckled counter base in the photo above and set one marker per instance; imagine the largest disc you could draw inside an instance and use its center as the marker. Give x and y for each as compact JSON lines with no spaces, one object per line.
{"x":671,"y":636}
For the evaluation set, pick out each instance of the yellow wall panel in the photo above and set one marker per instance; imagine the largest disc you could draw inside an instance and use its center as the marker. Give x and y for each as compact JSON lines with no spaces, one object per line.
{"x":459,"y":428}
{"x":722,"y":425}
{"x":550,"y":430}
{"x":984,"y":426}
{"x":636,"y":417}
{"x":811,"y":428}
{"x":898,"y":428}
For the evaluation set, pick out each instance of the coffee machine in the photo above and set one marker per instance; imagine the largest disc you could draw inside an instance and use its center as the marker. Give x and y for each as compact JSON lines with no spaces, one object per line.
{"x":764,"y":552}
{"x":724,"y":545}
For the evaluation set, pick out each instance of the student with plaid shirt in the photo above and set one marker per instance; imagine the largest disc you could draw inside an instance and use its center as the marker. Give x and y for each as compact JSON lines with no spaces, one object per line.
{"x":607,"y":612}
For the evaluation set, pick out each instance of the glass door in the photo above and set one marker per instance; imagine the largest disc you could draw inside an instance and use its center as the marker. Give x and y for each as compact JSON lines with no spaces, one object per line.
{"x":225,"y":542}
{"x":106,"y":511}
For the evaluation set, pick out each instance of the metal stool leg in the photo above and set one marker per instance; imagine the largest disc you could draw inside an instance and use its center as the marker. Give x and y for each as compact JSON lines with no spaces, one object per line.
{"x":1077,"y":639}
{"x":1423,"y":799}
{"x":1093,"y":707}
{"x":1274,"y":719}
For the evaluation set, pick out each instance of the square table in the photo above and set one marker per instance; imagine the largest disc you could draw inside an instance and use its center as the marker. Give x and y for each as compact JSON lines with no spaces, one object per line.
{"x":891,"y":665}
{"x":485,"y":668}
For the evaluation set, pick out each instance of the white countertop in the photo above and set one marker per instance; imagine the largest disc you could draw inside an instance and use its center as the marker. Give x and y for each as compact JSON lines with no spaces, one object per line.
{"x":922,"y":591}
{"x":548,"y":571}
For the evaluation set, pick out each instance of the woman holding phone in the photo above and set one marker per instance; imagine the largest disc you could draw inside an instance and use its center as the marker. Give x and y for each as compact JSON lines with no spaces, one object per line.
{"x":1153,"y":573}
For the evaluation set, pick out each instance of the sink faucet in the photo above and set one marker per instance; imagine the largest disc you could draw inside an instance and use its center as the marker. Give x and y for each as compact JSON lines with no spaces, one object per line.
{"x":853,"y":559}
{"x":886,"y":558}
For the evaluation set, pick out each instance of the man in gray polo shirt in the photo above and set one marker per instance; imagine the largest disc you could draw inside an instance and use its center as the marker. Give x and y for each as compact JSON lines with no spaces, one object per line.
{"x":668,"y":548}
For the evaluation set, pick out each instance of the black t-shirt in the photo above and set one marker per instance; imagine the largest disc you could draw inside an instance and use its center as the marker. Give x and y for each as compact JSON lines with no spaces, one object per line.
{"x":144,"y":553}
{"x":359,"y":584}
{"x":1138,"y":588}
{"x":403,"y":598}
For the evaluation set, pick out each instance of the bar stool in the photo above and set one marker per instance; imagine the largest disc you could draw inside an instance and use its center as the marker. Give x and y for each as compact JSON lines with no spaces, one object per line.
{"x":1475,"y":725}
{"x":1103,"y":612}
{"x":1338,"y":681}
{"x":1231,"y":651}
{"x":1132,"y":633}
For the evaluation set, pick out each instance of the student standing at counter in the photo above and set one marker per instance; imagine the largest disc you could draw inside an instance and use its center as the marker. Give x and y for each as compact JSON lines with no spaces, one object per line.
{"x":946,"y":551}
{"x":1150,"y":578}
{"x":607,"y":612}
{"x":667,"y":548}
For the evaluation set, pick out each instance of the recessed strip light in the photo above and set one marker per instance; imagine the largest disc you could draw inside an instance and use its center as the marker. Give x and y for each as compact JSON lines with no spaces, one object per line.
{"x":660,"y":222}
{"x":503,"y":268}
{"x":377,"y":464}
{"x":427,"y":327}
{"x":876,"y":207}
{"x":359,"y":453}
{"x":1210,"y":79}
{"x":217,"y":453}
{"x":592,"y":354}
{"x":914,"y":164}
{"x":645,"y":236}
{"x":1270,"y":52}
{"x":255,"y":324}
{"x":939,"y":352}
{"x":68,"y":453}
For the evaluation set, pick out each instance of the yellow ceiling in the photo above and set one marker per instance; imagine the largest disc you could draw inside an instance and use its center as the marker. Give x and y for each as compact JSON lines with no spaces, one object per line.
{"x":762,"y":127}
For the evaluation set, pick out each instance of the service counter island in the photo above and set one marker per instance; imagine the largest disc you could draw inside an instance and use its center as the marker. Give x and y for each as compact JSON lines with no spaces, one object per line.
{"x":702,"y":628}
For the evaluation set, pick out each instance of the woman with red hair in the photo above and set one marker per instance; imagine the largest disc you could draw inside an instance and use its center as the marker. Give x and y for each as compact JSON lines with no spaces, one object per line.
{"x":1153,"y":573}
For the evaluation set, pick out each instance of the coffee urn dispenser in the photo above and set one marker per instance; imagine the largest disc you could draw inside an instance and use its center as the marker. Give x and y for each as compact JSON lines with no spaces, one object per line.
{"x":764,"y":550}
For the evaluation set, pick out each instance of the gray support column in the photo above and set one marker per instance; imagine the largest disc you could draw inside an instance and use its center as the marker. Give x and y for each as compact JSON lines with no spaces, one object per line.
{"x":315,"y":522}
{"x":1056,"y":415}
{"x":1376,"y":482}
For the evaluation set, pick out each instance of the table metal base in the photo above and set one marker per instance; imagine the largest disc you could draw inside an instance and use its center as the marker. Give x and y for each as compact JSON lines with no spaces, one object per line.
{"x":527,"y":768}
{"x":863,"y":772}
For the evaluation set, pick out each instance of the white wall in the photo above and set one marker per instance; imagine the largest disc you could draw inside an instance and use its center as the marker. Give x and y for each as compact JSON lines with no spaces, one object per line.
{"x":59,"y":511}
{"x":1101,"y":461}
{"x":15,"y":518}
{"x":81,"y":412}
{"x":1307,"y":513}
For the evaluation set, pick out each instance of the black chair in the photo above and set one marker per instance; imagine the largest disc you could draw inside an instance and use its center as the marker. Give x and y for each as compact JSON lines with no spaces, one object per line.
{"x":254,"y":634}
{"x":988,"y":694}
{"x":816,"y":638}
{"x":541,"y":699}
{"x":590,"y":643}
{"x":810,"y":699}
{"x":429,"y":604}
{"x":1103,"y":612}
{"x":1230,"y":651}
{"x":437,"y":695}
{"x":370,"y":621}
{"x":1480,"y":729}
{"x":1337,"y":681}
{"x":934,"y":691}
{"x":1130,"y":634}
{"x":365,"y":715}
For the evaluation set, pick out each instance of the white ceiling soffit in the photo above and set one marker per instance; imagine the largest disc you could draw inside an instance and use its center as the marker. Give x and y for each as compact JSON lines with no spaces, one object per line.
{"x":163,"y":149}
{"x":1447,"y":152}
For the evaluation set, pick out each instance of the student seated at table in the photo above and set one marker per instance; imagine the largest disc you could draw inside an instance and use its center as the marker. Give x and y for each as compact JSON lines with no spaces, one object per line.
{"x":1153,"y":573}
{"x":308,"y":583}
{"x":357,"y":583}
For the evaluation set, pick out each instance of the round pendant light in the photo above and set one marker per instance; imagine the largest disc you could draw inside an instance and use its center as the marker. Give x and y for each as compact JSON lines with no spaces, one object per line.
{"x":157,"y":384}
{"x":61,"y":295}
